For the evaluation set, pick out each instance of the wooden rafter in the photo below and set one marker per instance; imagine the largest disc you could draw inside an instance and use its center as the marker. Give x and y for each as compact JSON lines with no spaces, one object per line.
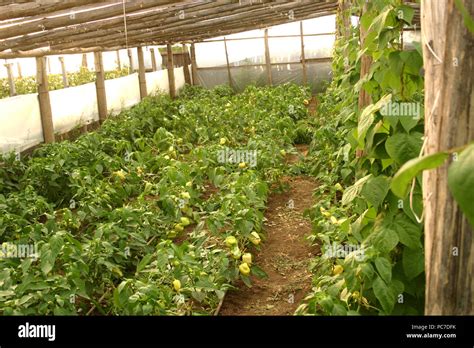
{"x":68,"y":26}
{"x":100,"y":13}
{"x":241,"y":20}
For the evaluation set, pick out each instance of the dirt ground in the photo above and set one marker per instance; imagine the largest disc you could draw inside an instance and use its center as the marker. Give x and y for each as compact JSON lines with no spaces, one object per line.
{"x":284,"y":256}
{"x":285,"y":252}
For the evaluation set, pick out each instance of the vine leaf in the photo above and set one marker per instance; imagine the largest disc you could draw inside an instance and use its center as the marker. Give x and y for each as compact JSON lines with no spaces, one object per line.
{"x":408,"y":232}
{"x":367,"y":117}
{"x":384,"y":294}
{"x":461,"y":182}
{"x":403,"y":147}
{"x":375,"y":190}
{"x":353,"y":191}
{"x":413,"y":261}
{"x":384,"y":267}
{"x":410,"y":169}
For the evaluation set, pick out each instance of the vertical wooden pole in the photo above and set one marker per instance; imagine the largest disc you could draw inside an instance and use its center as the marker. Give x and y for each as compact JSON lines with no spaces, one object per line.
{"x":344,"y":18}
{"x":187,"y":77}
{"x":194,"y":73}
{"x":267,"y":60}
{"x":366,"y":62}
{"x":130,"y":60}
{"x":170,"y":68}
{"x":229,"y":75}
{"x":141,"y":73}
{"x":303,"y":57}
{"x":84,"y":60}
{"x":48,"y":61}
{"x":448,"y":56}
{"x":44,"y":101}
{"x":100,"y":86}
{"x":18,"y":67}
{"x":64,"y":73}
{"x":153,"y":59}
{"x":11,"y":79}
{"x":119,"y":63}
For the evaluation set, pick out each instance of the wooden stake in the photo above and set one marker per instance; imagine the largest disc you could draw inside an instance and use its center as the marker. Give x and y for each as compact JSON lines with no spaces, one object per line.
{"x":44,"y":101}
{"x":130,"y":60}
{"x":187,"y":77}
{"x":100,"y":86}
{"x":366,"y":62}
{"x":303,"y":58}
{"x":11,"y":79}
{"x":170,"y":71}
{"x":18,"y":67}
{"x":141,"y":73}
{"x":153,"y":59}
{"x":64,"y":73}
{"x":448,"y":60}
{"x":84,"y":60}
{"x":267,"y":60}
{"x":343,"y":22}
{"x":229,"y":76}
{"x":119,"y":63}
{"x":194,"y":73}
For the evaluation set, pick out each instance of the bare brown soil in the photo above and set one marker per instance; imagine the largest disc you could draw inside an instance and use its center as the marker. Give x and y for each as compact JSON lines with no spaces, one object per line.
{"x":284,"y":256}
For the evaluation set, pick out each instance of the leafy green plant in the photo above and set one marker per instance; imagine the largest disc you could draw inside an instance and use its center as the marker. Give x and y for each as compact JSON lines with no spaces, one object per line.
{"x":356,"y":155}
{"x":135,"y":217}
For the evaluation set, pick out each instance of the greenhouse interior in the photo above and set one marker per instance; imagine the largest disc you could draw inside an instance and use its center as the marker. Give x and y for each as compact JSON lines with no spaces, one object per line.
{"x":236,"y":158}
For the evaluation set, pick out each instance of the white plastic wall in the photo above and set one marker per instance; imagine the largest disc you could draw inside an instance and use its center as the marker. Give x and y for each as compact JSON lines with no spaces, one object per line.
{"x":20,"y":119}
{"x":20,"y":123}
{"x":122,"y":93}
{"x":72,"y":107}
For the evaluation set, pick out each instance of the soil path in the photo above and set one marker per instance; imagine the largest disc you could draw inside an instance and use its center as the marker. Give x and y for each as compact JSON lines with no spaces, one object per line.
{"x":284,"y":256}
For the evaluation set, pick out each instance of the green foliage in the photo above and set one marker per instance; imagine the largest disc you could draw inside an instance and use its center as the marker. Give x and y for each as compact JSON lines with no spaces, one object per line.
{"x":27,"y":85}
{"x":109,"y":212}
{"x":461,"y":180}
{"x":355,"y":154}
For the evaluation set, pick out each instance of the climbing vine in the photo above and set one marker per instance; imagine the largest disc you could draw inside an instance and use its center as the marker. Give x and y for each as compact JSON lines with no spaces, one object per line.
{"x":372,"y":259}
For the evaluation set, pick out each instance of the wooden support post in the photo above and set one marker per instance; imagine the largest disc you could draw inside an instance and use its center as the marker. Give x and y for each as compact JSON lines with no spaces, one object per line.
{"x":84,"y":61}
{"x":187,"y":76}
{"x":18,"y":67}
{"x":44,"y":102}
{"x":194,"y":73}
{"x":366,"y":62}
{"x":100,"y":86}
{"x":130,"y":60}
{"x":267,"y":60}
{"x":64,"y":72}
{"x":119,"y":63}
{"x":229,"y":75}
{"x":343,"y":14}
{"x":153,"y":59}
{"x":448,"y":59}
{"x":141,"y":73}
{"x":48,"y":61}
{"x":303,"y":57}
{"x":170,"y":68}
{"x":11,"y":79}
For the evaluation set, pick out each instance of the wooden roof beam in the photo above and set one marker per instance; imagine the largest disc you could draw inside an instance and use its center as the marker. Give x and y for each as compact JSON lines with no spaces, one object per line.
{"x":36,"y":40}
{"x":90,"y":15}
{"x":161,"y":31}
{"x":33,"y":8}
{"x":211,"y":31}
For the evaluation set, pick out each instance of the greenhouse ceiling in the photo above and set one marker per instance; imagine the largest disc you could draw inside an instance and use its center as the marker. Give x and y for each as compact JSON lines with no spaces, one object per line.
{"x":36,"y":28}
